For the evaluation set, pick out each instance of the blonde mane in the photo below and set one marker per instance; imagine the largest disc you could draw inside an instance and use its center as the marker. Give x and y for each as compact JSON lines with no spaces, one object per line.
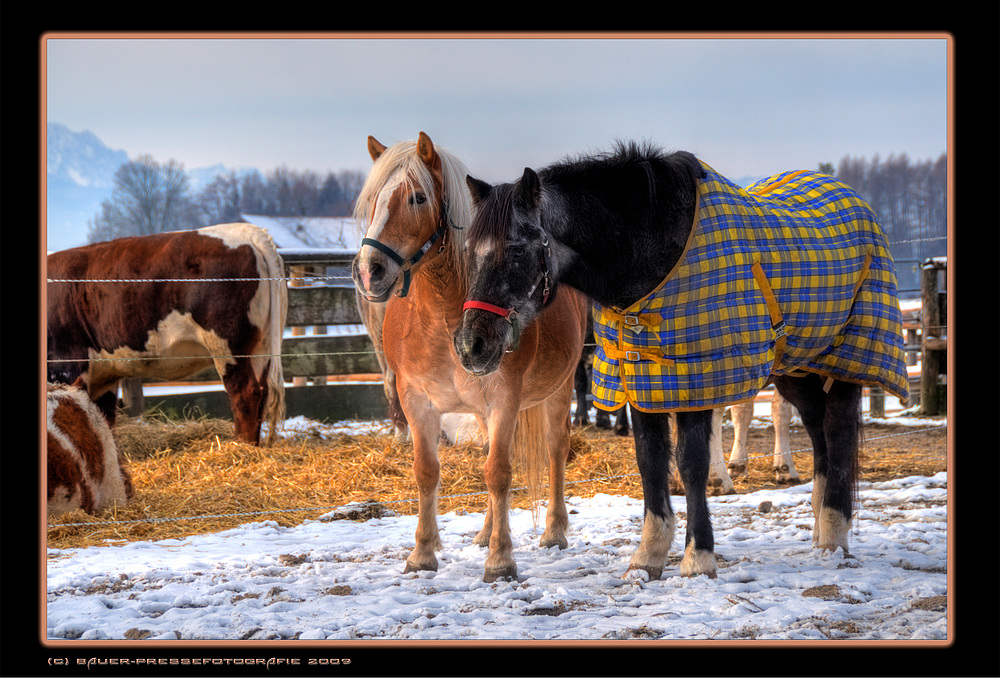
{"x":403,"y":157}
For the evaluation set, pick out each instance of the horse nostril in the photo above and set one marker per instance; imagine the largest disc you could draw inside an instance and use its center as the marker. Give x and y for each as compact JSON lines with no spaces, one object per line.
{"x":478,"y":347}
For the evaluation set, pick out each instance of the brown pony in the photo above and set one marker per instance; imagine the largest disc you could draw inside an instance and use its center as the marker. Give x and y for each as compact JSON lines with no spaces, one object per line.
{"x":414,"y":208}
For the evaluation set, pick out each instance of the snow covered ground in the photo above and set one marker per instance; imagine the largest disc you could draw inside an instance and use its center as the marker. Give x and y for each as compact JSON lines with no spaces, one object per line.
{"x":341,"y":579}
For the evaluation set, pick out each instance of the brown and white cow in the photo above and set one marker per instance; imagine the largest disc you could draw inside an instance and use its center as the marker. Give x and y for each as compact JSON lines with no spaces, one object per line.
{"x":167,"y":306}
{"x":85,"y":470}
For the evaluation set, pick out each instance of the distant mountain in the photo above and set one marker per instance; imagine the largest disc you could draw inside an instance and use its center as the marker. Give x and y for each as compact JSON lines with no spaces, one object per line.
{"x":81,"y":158}
{"x":81,"y":172}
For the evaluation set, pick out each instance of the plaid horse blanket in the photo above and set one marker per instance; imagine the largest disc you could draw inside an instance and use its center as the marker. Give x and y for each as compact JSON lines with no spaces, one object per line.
{"x":792,"y":273}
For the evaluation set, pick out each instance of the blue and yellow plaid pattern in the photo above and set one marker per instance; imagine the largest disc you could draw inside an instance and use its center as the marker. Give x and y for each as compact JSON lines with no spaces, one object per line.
{"x":792,"y":273}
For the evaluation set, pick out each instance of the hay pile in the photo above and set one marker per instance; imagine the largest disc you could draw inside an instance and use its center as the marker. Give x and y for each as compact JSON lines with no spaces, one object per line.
{"x":196,"y":469}
{"x":196,"y":472}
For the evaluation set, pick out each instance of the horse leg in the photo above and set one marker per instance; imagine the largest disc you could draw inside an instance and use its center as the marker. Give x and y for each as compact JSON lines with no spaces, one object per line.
{"x":782,"y":462}
{"x":373,"y":317}
{"x":719,"y":481}
{"x":581,"y":384}
{"x":738,"y":463}
{"x":426,"y":431}
{"x":499,"y":474}
{"x":694,"y":432}
{"x":833,"y":421}
{"x":557,"y":429}
{"x":483,"y":537}
{"x":652,"y":455}
{"x":621,"y":421}
{"x":396,"y":415}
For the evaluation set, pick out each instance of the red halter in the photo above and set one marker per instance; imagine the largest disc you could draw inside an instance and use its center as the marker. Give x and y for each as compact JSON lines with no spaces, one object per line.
{"x":483,"y":306}
{"x":510,"y":314}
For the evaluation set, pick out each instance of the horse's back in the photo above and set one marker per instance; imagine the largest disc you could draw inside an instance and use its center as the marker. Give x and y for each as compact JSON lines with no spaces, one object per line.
{"x":149,"y":293}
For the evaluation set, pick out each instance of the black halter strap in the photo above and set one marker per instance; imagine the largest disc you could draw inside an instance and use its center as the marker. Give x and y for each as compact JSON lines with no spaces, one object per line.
{"x":546,"y":267}
{"x":407,"y":264}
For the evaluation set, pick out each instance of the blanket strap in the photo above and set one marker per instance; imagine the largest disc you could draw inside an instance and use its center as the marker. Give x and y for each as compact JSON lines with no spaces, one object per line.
{"x":614,"y":353}
{"x":632,"y":321}
{"x":777,"y":322}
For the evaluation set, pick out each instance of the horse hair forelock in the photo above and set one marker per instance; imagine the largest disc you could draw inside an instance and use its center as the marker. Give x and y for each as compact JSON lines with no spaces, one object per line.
{"x":493,"y":218}
{"x":403,"y":157}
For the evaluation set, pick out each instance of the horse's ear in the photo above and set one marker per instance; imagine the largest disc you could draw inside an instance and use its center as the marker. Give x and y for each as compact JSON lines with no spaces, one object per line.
{"x":375,"y":148}
{"x":477,"y":188}
{"x":425,"y":149}
{"x":529,"y":188}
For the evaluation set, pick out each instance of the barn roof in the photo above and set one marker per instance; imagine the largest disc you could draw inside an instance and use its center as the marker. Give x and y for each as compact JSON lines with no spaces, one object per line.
{"x":322,"y":232}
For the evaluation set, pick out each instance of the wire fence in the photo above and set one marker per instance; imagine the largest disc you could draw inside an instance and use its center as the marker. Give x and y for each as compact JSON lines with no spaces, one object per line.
{"x":299,"y":281}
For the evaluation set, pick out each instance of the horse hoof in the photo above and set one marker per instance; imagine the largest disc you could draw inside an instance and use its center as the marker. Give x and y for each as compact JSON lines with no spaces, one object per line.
{"x":560,"y":541}
{"x":492,"y":574}
{"x":832,"y":547}
{"x":420,"y":567}
{"x":696,"y":561}
{"x":785,"y":478}
{"x":652,"y":572}
{"x":737,"y":471}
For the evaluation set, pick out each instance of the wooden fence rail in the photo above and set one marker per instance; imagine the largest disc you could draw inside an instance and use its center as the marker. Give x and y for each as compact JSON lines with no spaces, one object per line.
{"x":320,"y":295}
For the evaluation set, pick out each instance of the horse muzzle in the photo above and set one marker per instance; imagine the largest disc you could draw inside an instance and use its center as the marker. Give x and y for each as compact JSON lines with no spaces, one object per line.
{"x":484,"y":336}
{"x":374,"y":277}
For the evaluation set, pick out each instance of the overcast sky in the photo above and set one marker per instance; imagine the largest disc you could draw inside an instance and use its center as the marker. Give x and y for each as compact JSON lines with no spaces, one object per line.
{"x":748,"y":107}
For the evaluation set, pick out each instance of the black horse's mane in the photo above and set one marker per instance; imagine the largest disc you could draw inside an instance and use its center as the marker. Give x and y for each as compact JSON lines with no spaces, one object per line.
{"x":603,"y":179}
{"x":610,"y":167}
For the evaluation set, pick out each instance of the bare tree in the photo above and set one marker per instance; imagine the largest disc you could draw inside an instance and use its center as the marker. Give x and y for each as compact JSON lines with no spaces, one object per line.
{"x":220,"y":201}
{"x":147,"y":198}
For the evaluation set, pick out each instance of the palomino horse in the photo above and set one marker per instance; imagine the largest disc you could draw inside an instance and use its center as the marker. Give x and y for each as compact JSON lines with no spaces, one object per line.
{"x":705,"y":292}
{"x":416,"y":208}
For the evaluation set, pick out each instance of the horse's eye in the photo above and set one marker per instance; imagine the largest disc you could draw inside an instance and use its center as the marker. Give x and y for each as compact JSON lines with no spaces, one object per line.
{"x":517,"y":251}
{"x":418,"y":198}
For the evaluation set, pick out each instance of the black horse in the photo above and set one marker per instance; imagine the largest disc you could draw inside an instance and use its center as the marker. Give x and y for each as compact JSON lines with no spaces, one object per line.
{"x":620,"y":227}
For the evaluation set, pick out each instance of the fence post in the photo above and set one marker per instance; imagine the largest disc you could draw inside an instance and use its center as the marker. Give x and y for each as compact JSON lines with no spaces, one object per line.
{"x":932,"y":344}
{"x":876,"y":402}
{"x":132,"y":397}
{"x":295,"y":275}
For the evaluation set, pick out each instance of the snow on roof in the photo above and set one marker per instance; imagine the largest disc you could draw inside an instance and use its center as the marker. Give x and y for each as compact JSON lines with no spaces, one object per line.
{"x":322,"y":232}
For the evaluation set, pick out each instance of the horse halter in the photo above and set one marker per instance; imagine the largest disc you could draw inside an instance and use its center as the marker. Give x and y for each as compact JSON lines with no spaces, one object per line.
{"x":511,"y":314}
{"x":407,"y":264}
